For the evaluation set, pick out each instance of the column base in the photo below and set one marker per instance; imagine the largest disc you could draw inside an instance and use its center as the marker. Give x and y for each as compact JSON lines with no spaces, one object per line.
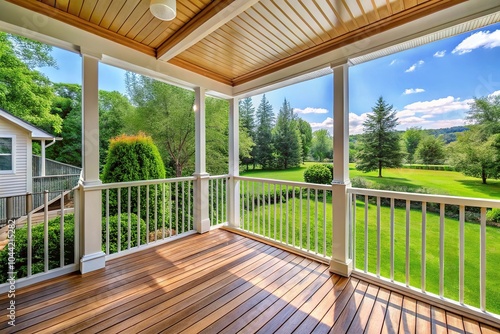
{"x":341,"y":268}
{"x":204,"y":226}
{"x":92,"y":262}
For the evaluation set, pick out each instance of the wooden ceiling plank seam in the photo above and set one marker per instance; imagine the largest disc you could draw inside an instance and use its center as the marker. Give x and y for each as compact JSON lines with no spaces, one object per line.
{"x":375,"y":9}
{"x":213,"y":61}
{"x":292,"y":23}
{"x":158,"y":30}
{"x":146,"y":30}
{"x":218,"y":46}
{"x":272,"y":33}
{"x":51,"y":3}
{"x":367,"y":21}
{"x":202,"y":61}
{"x":99,"y":11}
{"x":196,"y":69}
{"x":327,"y":25}
{"x":368,"y":10}
{"x":402,"y":4}
{"x":351,"y":15}
{"x":389,"y":8}
{"x":62,"y":5}
{"x":139,"y":12}
{"x":367,"y":31}
{"x":309,"y":20}
{"x":302,"y":42}
{"x":114,"y":7}
{"x":144,"y":21}
{"x":277,"y":45}
{"x":123,"y":15}
{"x":214,"y":50}
{"x":396,"y":6}
{"x":87,"y":9}
{"x":79,"y":23}
{"x":245,"y":46}
{"x":243,"y":41}
{"x":410,"y":3}
{"x":75,"y":6}
{"x":329,"y":5}
{"x":206,"y":21}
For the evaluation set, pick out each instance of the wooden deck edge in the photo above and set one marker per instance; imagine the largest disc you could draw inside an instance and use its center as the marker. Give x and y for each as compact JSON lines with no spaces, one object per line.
{"x":431,"y":299}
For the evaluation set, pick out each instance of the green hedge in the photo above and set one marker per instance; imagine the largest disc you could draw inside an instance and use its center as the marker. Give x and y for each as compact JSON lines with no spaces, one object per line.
{"x":430,"y":167}
{"x":318,"y":173}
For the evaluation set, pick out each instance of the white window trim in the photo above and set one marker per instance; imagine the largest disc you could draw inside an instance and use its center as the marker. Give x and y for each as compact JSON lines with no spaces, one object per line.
{"x":13,"y":170}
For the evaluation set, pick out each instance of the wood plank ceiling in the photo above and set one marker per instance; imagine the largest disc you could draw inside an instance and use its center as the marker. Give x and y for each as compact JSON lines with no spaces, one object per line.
{"x":266,"y":36}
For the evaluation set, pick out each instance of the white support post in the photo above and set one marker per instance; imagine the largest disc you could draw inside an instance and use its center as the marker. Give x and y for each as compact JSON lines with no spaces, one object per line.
{"x":341,"y":262}
{"x":201,"y":218}
{"x":43,"y":157}
{"x":234,"y":164}
{"x":93,"y":257}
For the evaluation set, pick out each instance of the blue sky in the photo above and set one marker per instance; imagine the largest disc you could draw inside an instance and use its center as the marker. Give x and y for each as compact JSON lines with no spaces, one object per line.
{"x":430,"y":86}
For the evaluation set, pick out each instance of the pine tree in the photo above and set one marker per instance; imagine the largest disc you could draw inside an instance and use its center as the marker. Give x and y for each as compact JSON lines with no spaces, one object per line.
{"x":286,"y":138}
{"x":247,"y":129}
{"x":263,"y":137}
{"x":380,"y":141}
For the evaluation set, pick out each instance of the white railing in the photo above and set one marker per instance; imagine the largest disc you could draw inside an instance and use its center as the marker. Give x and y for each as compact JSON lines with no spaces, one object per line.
{"x":41,"y":245}
{"x":440,"y":246}
{"x":218,"y":199}
{"x":144,"y":213}
{"x":295,"y":214}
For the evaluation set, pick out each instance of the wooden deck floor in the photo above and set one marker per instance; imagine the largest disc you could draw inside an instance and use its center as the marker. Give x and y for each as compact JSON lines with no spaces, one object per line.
{"x":221,"y":282}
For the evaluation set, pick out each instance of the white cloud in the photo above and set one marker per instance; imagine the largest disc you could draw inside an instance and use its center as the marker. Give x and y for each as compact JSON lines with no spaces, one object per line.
{"x":436,"y":107}
{"x":393,"y":62}
{"x":414,"y":66}
{"x":310,"y":110}
{"x":413,"y":91}
{"x":481,"y":39}
{"x":440,"y":54}
{"x":326,"y":124}
{"x":495,"y":93}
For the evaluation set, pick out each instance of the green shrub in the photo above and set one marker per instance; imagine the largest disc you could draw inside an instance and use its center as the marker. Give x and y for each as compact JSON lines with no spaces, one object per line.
{"x":132,"y":158}
{"x":113,"y":232}
{"x":37,"y":240}
{"x":318,"y":173}
{"x":493,"y":216}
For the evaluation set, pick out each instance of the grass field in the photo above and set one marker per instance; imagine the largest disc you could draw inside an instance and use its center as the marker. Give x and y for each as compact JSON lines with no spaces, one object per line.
{"x":297,"y":227}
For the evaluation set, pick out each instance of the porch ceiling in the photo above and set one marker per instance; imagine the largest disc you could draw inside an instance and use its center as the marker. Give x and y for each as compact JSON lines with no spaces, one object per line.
{"x":235,"y":42}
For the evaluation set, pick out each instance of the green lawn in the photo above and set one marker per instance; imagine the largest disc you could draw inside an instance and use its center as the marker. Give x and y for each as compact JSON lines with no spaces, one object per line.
{"x":299,"y":229}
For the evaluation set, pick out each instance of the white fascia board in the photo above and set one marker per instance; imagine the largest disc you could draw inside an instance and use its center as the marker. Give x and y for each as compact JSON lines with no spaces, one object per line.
{"x":36,"y":133}
{"x":429,"y":24}
{"x":18,"y":20}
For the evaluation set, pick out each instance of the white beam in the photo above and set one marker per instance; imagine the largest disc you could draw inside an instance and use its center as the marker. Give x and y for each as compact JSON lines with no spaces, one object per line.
{"x":223,"y":16}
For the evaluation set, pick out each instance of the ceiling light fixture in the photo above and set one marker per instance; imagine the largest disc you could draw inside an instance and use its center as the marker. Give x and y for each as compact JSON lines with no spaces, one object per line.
{"x":163,"y":9}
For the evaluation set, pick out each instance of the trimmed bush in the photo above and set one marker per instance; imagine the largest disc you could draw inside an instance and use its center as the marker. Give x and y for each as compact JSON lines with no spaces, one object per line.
{"x":318,"y":173}
{"x":493,"y":216}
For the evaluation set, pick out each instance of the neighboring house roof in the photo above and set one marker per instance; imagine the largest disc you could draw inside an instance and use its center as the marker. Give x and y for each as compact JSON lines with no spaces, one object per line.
{"x":36,"y":133}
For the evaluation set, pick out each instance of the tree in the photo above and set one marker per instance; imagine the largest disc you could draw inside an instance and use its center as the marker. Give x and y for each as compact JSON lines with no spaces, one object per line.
{"x":380,"y":141}
{"x":474,"y":156}
{"x":263,"y":138}
{"x":411,"y":139}
{"x":165,"y":112}
{"x":24,"y":91}
{"x":485,"y":112}
{"x":305,"y":137}
{"x":430,"y":150}
{"x":247,"y":131}
{"x":322,"y":144}
{"x":114,"y":109}
{"x":286,"y":138}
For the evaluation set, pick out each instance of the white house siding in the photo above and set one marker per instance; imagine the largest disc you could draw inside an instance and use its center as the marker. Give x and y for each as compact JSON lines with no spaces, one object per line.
{"x":17,"y":183}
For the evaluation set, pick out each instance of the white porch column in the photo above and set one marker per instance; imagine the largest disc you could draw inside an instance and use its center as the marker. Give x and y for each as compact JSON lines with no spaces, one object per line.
{"x":201,"y":219}
{"x":92,"y":256}
{"x":42,"y":173}
{"x":341,"y":262}
{"x":234,"y":164}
